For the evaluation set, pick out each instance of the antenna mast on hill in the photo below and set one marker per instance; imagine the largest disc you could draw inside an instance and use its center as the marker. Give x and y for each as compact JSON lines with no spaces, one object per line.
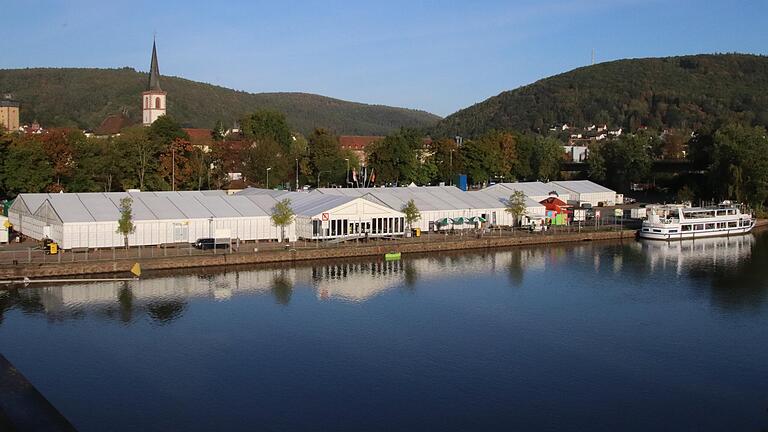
{"x":593,"y":56}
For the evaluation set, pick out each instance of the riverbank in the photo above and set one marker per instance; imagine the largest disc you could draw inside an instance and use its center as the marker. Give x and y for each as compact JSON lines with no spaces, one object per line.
{"x":123,"y":266}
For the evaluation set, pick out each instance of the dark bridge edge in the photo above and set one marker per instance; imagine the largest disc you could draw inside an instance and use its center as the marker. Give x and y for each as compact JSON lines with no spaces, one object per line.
{"x":23,"y":407}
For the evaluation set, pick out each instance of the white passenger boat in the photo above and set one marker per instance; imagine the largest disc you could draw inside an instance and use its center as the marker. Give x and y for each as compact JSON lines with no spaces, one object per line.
{"x":674,"y":222}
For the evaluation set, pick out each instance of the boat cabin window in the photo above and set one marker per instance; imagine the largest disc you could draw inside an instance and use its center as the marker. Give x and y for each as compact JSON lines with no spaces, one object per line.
{"x":710,"y":226}
{"x":672,"y":231}
{"x":733,"y":224}
{"x":744,"y":222}
{"x":656,"y":230}
{"x":686,"y":228}
{"x":698,"y":227}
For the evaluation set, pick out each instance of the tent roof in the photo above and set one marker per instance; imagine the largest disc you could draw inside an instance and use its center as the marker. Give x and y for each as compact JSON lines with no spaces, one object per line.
{"x":583,"y":186}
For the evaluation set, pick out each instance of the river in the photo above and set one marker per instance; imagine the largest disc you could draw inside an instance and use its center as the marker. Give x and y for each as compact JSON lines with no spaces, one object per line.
{"x":591,"y":336}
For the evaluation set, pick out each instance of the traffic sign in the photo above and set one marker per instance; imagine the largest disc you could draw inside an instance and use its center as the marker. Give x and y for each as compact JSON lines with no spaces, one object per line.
{"x":326,"y":216}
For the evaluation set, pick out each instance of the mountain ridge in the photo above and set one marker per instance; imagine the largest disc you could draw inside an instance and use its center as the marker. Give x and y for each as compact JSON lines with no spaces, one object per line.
{"x":661,"y":92}
{"x":83,"y":97}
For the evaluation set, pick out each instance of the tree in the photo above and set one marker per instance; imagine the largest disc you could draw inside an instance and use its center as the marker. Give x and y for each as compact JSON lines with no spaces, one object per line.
{"x":596,"y":163}
{"x":140,"y":153}
{"x":26,"y":167}
{"x":740,"y":164}
{"x":685,"y":194}
{"x":547,"y":156}
{"x":325,"y":155}
{"x":125,"y":224}
{"x":411,"y":212}
{"x":516,"y":206}
{"x":446,"y":158}
{"x":282,"y":215}
{"x":268,"y":124}
{"x":394,"y":159}
{"x":165,"y":130}
{"x":217,"y":133}
{"x":265,"y":154}
{"x":627,"y":160}
{"x":175,"y":168}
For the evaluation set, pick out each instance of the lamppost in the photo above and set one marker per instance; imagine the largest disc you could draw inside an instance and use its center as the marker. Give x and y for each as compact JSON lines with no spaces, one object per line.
{"x":268,"y":169}
{"x":297,"y":174}
{"x":450,"y":180}
{"x":347,"y":177}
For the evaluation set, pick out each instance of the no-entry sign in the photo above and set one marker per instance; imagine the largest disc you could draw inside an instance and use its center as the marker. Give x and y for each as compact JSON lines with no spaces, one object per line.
{"x":326,"y":216}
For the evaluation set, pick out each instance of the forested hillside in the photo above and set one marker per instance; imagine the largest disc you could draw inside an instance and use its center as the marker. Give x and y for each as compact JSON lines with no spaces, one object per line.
{"x":84,"y":97}
{"x":675,"y":92}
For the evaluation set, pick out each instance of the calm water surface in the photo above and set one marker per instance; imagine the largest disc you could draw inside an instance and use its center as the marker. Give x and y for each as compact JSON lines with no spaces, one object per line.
{"x":624,"y":336}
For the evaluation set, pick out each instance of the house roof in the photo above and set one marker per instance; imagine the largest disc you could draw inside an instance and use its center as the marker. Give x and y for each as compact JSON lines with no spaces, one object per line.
{"x":113,"y":124}
{"x":357,"y":142}
{"x":199,"y":136}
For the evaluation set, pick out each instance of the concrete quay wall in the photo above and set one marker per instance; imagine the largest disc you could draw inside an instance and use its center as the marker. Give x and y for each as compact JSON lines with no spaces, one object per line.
{"x":122,"y":266}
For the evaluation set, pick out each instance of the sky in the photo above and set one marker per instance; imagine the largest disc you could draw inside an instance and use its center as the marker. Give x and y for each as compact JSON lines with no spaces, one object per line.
{"x":437,"y":56}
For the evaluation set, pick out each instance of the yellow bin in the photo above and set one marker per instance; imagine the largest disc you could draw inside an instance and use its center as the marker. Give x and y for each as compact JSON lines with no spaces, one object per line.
{"x":54,"y":248}
{"x":417,"y":232}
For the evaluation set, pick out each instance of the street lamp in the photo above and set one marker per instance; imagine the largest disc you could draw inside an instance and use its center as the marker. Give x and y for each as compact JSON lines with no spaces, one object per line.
{"x":450,"y":179}
{"x":297,"y":174}
{"x":347,"y":178}
{"x":268,"y":169}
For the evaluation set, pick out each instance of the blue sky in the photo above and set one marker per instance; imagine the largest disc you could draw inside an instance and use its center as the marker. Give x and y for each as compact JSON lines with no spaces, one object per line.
{"x":438,"y":56}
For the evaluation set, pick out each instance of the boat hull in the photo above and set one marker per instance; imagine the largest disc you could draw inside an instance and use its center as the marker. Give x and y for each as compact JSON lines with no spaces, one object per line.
{"x":695,"y":234}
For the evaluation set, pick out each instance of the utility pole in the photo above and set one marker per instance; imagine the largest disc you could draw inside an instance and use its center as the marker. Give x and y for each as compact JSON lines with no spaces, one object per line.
{"x":297,"y":174}
{"x":173,"y":168}
{"x":268,"y":169}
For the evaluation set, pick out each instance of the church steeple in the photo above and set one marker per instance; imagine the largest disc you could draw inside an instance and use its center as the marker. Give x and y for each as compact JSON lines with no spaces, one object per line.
{"x":154,"y":97}
{"x":154,"y":71}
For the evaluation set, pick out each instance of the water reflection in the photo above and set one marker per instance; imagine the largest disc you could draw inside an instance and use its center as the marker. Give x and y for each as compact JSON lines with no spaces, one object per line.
{"x":733,"y":270}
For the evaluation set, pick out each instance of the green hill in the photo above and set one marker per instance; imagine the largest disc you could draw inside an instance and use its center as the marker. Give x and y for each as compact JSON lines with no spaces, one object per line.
{"x":84,"y":97}
{"x":685,"y":92}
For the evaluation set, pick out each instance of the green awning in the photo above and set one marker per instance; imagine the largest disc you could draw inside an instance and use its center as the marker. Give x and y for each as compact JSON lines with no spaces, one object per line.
{"x":476,"y":219}
{"x":461,"y":220}
{"x":444,"y":221}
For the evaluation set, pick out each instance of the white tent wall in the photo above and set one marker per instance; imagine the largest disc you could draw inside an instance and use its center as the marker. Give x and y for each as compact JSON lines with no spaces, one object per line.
{"x":357,"y":211}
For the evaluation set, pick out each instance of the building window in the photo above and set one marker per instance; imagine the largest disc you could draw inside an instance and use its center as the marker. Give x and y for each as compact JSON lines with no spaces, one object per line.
{"x":146,"y":102}
{"x":157,"y":103}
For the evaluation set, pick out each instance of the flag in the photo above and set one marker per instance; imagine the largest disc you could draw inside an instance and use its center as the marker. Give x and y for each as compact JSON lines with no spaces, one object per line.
{"x":354,"y":175}
{"x":373,"y":176}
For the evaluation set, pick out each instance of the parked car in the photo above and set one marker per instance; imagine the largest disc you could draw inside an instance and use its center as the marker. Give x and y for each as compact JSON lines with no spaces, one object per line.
{"x":210,"y":243}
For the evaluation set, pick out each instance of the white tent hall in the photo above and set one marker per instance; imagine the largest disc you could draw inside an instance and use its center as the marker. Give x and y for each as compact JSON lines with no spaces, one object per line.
{"x":89,"y":220}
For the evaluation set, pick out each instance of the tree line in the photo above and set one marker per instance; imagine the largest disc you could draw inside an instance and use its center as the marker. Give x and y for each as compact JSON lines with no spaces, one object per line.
{"x":730,"y":161}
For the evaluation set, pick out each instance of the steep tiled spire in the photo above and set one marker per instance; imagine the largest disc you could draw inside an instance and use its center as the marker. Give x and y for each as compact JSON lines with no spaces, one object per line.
{"x":154,"y":71}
